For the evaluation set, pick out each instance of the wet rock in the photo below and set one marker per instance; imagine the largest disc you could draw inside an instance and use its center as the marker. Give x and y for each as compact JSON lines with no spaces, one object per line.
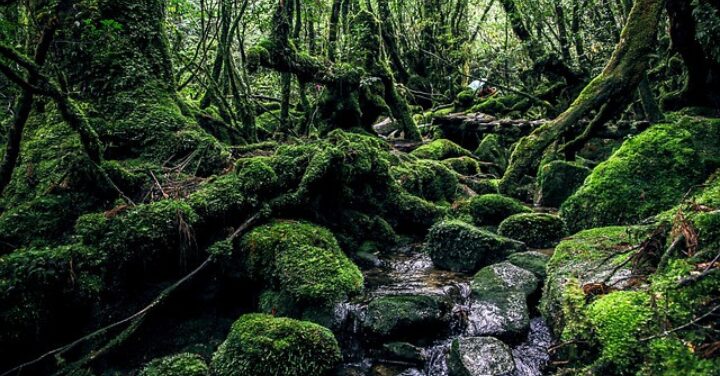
{"x":537,"y":230}
{"x":404,"y":351}
{"x":558,"y":180}
{"x":499,"y":306}
{"x":461,"y":247}
{"x":480,"y":356}
{"x":533,"y":261}
{"x":367,"y":260}
{"x":407,"y":317}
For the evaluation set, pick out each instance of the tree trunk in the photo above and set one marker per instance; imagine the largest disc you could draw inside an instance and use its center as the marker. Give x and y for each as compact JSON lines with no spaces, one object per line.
{"x":702,"y":87}
{"x":616,"y":84}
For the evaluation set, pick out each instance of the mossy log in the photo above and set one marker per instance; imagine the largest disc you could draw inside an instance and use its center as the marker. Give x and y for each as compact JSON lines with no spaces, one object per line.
{"x":612,"y":90}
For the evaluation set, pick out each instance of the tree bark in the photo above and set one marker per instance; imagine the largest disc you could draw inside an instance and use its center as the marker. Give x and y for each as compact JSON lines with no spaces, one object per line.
{"x":615,"y":84}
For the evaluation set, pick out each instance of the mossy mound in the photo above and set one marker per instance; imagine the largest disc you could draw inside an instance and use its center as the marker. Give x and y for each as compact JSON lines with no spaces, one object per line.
{"x":260,"y":345}
{"x":465,"y":166}
{"x":491,"y":209}
{"x":428,"y":179}
{"x":440,"y":150}
{"x":491,"y":149}
{"x":301,"y":259}
{"x":648,"y":174}
{"x":176,"y":365}
{"x":461,"y":247}
{"x":537,"y":230}
{"x":558,"y":180}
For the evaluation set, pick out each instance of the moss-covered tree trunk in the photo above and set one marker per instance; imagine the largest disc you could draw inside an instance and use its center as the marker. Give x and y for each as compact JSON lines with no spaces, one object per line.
{"x":612,"y":89}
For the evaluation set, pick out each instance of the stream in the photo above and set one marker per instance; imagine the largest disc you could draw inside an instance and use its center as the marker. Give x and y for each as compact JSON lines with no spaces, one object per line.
{"x":409,"y":272}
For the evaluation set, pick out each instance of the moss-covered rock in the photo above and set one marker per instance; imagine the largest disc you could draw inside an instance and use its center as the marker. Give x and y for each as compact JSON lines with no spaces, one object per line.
{"x":532,"y":260}
{"x":537,"y":230}
{"x":491,"y":209}
{"x":407,"y":317}
{"x":461,"y":247}
{"x":260,"y":345}
{"x":492,"y":150}
{"x":500,"y":301}
{"x":558,"y":180}
{"x":465,"y":166}
{"x":428,"y":179}
{"x":301,"y":259}
{"x":176,"y":365}
{"x":480,"y":356}
{"x":440,"y":150}
{"x":648,"y":174}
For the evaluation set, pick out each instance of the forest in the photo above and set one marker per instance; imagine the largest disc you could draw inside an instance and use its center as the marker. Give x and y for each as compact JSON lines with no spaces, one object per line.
{"x":359,"y":187}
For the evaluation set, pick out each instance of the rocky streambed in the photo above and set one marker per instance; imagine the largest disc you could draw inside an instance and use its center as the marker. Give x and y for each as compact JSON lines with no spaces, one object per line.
{"x":415,"y":319}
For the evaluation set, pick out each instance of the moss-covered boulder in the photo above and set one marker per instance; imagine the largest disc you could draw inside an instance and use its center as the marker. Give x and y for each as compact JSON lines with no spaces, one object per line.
{"x":558,"y":180}
{"x":500,"y":301}
{"x":648,"y":174}
{"x":532,"y":260}
{"x":480,"y":356}
{"x":537,"y":230}
{"x":441,"y":149}
{"x":404,"y":352}
{"x":301,"y":259}
{"x":461,"y":247}
{"x":176,"y":365}
{"x":407,"y":317}
{"x":491,"y":209}
{"x":260,"y":345}
{"x":465,"y":166}
{"x":491,"y":150}
{"x":428,"y":179}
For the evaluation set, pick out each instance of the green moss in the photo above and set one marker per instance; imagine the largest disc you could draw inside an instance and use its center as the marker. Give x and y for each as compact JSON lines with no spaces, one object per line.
{"x":465,"y":98}
{"x":157,"y":237}
{"x":491,"y":150}
{"x":428,"y":179}
{"x":461,"y":247}
{"x":439,"y":150}
{"x":537,"y":230}
{"x":491,"y":209}
{"x":406,"y":316}
{"x":302,"y":260}
{"x":176,"y":365}
{"x":558,"y":180}
{"x":670,"y":356}
{"x":648,"y":174}
{"x":618,"y":320}
{"x":532,"y":261}
{"x":466,"y":166}
{"x":260,"y":345}
{"x":492,"y":282}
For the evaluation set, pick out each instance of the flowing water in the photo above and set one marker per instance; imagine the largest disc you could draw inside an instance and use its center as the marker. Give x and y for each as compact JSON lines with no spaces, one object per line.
{"x":411,"y":272}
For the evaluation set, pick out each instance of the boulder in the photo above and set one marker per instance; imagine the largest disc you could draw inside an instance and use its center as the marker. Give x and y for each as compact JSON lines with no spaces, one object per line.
{"x":461,"y":247}
{"x":407,"y":317}
{"x":536,"y":230}
{"x":650,"y":173}
{"x":491,"y":209}
{"x":533,"y":261}
{"x":480,"y":356}
{"x":404,"y":352}
{"x":499,"y":301}
{"x":260,"y":345}
{"x":558,"y":180}
{"x":441,"y":149}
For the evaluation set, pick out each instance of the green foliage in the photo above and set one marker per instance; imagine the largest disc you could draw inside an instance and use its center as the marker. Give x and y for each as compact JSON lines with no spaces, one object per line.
{"x":260,"y":345}
{"x":491,"y":209}
{"x":492,"y":150}
{"x":670,"y":356}
{"x":648,"y":174}
{"x":176,"y":365}
{"x":558,"y":180}
{"x":537,"y":230}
